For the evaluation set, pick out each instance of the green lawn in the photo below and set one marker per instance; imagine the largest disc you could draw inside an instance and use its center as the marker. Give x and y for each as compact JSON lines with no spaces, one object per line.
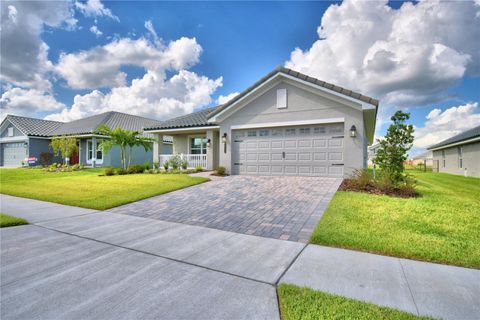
{"x":87,"y":189}
{"x":304,"y":303}
{"x":442,"y":225}
{"x":9,"y":221}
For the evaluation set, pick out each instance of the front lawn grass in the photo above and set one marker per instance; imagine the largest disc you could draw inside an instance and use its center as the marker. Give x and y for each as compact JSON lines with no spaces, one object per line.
{"x":89,"y":190}
{"x":442,"y":225}
{"x":10,"y":221}
{"x":305,"y":303}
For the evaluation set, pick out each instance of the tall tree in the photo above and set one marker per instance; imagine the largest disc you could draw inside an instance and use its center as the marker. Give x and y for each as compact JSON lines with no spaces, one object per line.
{"x":64,"y":146}
{"x":394,"y":147}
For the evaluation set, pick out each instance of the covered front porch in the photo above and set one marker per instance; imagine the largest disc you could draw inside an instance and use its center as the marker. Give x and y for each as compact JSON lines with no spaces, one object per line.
{"x":197,"y":146}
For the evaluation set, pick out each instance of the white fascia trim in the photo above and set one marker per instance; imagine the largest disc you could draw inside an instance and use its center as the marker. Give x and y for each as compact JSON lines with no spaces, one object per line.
{"x":287,"y":123}
{"x":13,"y":139}
{"x":456,"y":144}
{"x":182,"y":129}
{"x":365,"y":105}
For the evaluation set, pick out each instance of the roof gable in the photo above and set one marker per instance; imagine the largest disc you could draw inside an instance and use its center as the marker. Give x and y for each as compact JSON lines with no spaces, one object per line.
{"x":328,"y":87}
{"x":33,"y":127}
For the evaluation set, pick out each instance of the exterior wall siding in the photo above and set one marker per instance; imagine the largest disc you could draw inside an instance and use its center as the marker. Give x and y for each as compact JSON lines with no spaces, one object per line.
{"x":470,"y":160}
{"x":37,"y":146}
{"x":16,"y":132}
{"x":301,"y":105}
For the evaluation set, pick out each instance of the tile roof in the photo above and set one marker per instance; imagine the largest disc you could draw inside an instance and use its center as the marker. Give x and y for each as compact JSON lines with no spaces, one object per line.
{"x":195,"y":119}
{"x":466,"y":135}
{"x":32,"y":126}
{"x":200,"y":118}
{"x":112,"y":119}
{"x":303,"y":77}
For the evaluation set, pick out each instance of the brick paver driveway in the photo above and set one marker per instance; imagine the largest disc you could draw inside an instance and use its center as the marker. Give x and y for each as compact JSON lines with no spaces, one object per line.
{"x":286,"y":208}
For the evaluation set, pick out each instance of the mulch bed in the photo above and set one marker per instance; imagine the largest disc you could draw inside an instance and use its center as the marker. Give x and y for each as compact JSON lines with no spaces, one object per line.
{"x":349,"y":185}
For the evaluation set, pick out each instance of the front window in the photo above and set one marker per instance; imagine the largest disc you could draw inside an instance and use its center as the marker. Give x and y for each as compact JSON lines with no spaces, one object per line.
{"x":264,"y":133}
{"x":90,"y":153}
{"x":89,"y":150}
{"x":198,"y":145}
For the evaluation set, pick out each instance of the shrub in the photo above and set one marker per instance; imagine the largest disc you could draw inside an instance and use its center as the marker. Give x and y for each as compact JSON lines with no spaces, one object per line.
{"x":46,"y":158}
{"x":220,"y":171}
{"x":120,"y":171}
{"x":136,"y":168}
{"x":166,"y":165}
{"x":156,"y":164}
{"x":175,"y":161}
{"x":76,"y":167}
{"x":109,"y":171}
{"x":385,"y":183}
{"x":198,"y":169}
{"x":146,"y":165}
{"x":151,"y":171}
{"x":176,"y":171}
{"x":184,"y":164}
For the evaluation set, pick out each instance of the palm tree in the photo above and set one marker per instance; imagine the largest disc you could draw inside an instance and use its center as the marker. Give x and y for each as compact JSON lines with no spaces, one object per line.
{"x":123,"y":138}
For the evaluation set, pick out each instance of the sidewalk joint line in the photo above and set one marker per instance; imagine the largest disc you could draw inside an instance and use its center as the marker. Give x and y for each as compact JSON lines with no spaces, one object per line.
{"x":408,"y":286}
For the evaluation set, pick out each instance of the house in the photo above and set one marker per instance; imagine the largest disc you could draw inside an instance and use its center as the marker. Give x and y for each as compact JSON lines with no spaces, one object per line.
{"x":423,"y":158}
{"x":459,"y":154}
{"x":372,"y":152}
{"x":23,"y":138}
{"x":287,"y":123}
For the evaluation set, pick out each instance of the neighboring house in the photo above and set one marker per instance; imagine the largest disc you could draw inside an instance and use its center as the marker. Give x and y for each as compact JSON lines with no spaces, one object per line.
{"x":22,"y":138}
{"x":459,"y":154}
{"x":287,"y":123}
{"x":423,"y":158}
{"x":372,"y":152}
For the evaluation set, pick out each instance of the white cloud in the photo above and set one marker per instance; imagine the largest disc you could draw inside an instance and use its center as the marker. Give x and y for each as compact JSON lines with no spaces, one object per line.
{"x":28,"y":102}
{"x":224,"y":99}
{"x":441,"y":125}
{"x":100,"y":66}
{"x":23,"y":55}
{"x":94,"y":29}
{"x":149,"y":26}
{"x":405,"y":57}
{"x":151,"y":96}
{"x":94,"y":8}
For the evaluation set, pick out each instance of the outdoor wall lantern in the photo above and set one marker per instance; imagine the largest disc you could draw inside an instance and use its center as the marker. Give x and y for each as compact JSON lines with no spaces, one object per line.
{"x":224,"y":140}
{"x":208,"y":143}
{"x":353,"y":131}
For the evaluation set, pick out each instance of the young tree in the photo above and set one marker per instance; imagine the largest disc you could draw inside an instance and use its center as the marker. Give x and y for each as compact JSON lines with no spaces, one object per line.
{"x":64,"y":146}
{"x":394,"y":147}
{"x":124,"y":139}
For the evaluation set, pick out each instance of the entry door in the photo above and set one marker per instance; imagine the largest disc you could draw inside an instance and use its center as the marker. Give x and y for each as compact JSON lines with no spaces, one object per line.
{"x":14,"y":153}
{"x":293,"y":151}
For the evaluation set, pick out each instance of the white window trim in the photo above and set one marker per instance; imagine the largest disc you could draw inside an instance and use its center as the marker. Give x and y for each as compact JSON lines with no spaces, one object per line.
{"x":287,"y":123}
{"x":190,"y":143}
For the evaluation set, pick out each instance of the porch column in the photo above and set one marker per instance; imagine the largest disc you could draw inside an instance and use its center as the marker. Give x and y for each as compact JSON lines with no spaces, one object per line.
{"x":157,"y":147}
{"x":94,"y":152}
{"x":212,"y":151}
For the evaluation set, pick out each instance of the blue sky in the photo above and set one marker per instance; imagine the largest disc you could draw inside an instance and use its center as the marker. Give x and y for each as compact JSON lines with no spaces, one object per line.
{"x":395,"y":51}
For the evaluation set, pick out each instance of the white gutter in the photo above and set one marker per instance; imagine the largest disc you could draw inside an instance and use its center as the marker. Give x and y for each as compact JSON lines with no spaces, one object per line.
{"x":205,"y":128}
{"x":455,"y":144}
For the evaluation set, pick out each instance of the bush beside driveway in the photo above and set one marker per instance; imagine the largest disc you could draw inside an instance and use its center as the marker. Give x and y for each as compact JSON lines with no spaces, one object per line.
{"x":439,"y":226}
{"x":87,"y":189}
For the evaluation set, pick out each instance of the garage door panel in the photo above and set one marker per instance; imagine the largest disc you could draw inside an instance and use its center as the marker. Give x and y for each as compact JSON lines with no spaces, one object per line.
{"x":13,"y":153}
{"x":304,"y":156}
{"x":299,"y":151}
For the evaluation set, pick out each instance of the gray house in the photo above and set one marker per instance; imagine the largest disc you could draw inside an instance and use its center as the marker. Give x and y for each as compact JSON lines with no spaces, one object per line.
{"x":23,"y":139}
{"x":287,"y":123}
{"x":459,"y":154}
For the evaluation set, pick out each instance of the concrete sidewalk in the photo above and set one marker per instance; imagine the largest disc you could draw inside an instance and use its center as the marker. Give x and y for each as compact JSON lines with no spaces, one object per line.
{"x":35,"y":210}
{"x":421,"y":288}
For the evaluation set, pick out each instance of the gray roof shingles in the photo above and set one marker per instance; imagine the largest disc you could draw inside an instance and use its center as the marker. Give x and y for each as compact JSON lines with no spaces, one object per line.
{"x":466,"y":135}
{"x":195,"y":119}
{"x":32,"y":126}
{"x":200,"y":118}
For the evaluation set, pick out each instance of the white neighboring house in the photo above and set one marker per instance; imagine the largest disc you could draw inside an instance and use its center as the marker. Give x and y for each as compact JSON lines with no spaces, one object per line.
{"x":372,"y":152}
{"x":287,"y":123}
{"x":459,"y":154}
{"x":423,"y":158}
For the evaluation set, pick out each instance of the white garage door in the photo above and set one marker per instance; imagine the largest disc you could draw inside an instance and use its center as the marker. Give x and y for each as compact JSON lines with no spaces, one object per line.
{"x":296,"y":151}
{"x":13,"y":154}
